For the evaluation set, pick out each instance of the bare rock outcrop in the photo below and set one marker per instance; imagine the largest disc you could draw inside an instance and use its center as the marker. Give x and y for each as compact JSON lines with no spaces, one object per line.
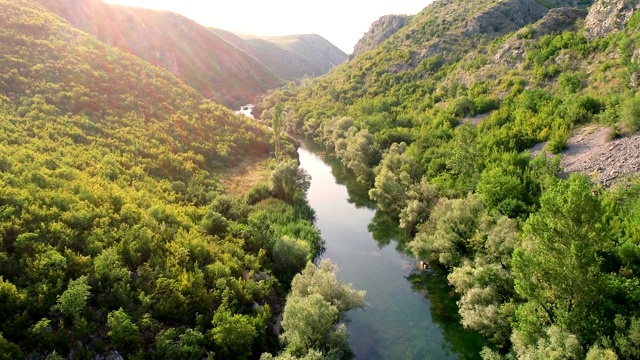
{"x":557,"y":21}
{"x":380,"y":30}
{"x":607,"y":16}
{"x":554,"y":22}
{"x":506,"y":16}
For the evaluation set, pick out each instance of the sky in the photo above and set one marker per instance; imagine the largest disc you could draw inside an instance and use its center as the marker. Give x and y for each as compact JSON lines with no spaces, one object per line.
{"x":342,"y":22}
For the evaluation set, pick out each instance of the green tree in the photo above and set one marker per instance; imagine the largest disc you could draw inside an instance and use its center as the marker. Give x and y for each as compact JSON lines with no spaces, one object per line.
{"x":554,"y":344}
{"x":311,"y":318}
{"x":452,"y":232}
{"x":290,"y":256}
{"x":73,"y":302}
{"x":322,"y":280}
{"x":308,"y":323}
{"x":360,"y":155}
{"x":288,"y":181}
{"x":311,"y":355}
{"x":395,"y":175}
{"x":557,"y":270}
{"x":421,"y":199}
{"x":276,"y":124}
{"x":123,"y":331}
{"x":503,"y":191}
{"x":485,"y":305}
{"x":11,"y":298}
{"x":172,"y":345}
{"x":9,"y":350}
{"x":596,"y":353}
{"x":630,"y":114}
{"x":627,"y":337}
{"x":233,"y":334}
{"x":569,"y":83}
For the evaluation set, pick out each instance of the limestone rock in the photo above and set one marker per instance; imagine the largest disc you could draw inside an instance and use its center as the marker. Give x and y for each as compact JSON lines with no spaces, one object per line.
{"x":380,"y":30}
{"x":506,"y":16}
{"x":607,"y":16}
{"x":554,"y":22}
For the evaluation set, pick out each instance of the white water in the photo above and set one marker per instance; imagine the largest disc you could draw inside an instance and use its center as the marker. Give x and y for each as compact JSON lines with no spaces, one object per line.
{"x":246,"y":110}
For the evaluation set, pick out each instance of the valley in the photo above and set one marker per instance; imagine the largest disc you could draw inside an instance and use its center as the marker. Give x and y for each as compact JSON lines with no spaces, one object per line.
{"x":464,"y":185}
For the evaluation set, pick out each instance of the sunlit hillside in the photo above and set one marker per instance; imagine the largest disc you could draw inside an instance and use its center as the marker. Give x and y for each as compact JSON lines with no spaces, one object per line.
{"x":116,"y":236}
{"x":203,"y":60}
{"x":292,"y":57}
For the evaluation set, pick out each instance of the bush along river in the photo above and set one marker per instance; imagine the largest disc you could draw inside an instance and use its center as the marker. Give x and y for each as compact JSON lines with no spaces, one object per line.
{"x":411,"y":314}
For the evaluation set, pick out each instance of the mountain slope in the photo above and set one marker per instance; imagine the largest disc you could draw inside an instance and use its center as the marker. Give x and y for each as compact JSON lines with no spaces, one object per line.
{"x":117,"y":239}
{"x":200,"y":58}
{"x":292,"y":57}
{"x":442,"y":33}
{"x":235,"y":40}
{"x":439,"y":121}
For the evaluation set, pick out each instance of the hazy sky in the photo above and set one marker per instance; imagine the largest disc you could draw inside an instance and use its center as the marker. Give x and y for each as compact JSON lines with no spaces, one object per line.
{"x":342,"y":22}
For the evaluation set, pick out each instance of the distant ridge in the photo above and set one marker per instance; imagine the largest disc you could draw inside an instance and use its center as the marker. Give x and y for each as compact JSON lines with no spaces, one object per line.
{"x":289,"y":57}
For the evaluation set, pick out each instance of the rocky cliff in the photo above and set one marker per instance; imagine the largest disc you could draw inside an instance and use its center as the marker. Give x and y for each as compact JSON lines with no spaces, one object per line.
{"x":380,"y":30}
{"x":447,"y":28}
{"x":505,"y":16}
{"x":554,"y":22}
{"x":607,"y":16}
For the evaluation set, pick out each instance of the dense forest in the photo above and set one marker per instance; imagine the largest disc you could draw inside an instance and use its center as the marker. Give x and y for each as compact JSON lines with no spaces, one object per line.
{"x":117,"y":238}
{"x":439,"y":121}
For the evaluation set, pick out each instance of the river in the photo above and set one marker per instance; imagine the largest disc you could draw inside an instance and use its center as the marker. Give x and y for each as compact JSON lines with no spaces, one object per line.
{"x":398,"y":323}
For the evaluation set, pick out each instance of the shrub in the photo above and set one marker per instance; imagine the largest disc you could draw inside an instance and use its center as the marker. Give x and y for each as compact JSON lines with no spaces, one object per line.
{"x":630,"y":115}
{"x":258,"y":193}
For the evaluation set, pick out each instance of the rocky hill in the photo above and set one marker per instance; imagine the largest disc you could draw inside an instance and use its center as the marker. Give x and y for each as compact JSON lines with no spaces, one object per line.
{"x":379,"y":31}
{"x":202,"y":59}
{"x":556,"y":21}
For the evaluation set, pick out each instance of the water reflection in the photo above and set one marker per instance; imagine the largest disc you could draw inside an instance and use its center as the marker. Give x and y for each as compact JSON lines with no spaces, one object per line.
{"x":411,"y":314}
{"x":358,"y":193}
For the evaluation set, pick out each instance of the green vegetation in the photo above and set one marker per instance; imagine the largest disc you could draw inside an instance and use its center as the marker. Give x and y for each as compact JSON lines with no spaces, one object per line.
{"x":311,"y":319}
{"x":542,"y":266}
{"x":116,"y":235}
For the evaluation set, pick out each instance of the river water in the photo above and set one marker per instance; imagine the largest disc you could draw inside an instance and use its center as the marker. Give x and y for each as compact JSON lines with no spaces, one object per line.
{"x":398,"y":322}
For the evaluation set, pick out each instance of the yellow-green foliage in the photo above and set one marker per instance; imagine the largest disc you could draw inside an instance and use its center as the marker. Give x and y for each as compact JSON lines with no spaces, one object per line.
{"x":115,"y":234}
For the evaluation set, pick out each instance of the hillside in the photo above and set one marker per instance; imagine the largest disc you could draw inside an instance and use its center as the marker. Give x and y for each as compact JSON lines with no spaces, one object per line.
{"x":439,"y":120}
{"x":203,"y":60}
{"x":235,"y":40}
{"x":292,"y":57}
{"x":117,"y":237}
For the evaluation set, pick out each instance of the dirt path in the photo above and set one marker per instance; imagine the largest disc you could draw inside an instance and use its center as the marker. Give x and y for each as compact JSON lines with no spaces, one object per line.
{"x":246,"y":175}
{"x":591,"y":153}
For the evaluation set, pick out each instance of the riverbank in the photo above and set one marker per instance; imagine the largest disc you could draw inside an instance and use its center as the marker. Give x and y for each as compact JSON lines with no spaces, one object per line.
{"x":398,"y":323}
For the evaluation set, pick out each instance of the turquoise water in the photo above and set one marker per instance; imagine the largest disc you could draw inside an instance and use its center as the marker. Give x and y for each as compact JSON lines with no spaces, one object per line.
{"x":398,"y":322}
